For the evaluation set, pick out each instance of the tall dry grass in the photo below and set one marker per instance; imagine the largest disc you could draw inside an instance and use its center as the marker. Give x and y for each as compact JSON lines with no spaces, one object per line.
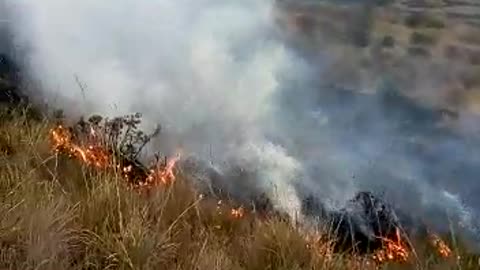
{"x":57,"y":214}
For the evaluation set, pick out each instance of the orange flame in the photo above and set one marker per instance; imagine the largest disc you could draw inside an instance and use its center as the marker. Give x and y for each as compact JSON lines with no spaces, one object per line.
{"x":393,"y":250}
{"x":94,"y":153}
{"x":162,"y":174}
{"x":238,"y":212}
{"x":316,"y":242}
{"x":441,"y":246}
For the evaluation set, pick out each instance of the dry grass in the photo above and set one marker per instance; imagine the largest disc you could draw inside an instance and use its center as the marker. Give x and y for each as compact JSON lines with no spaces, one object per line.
{"x":57,"y":214}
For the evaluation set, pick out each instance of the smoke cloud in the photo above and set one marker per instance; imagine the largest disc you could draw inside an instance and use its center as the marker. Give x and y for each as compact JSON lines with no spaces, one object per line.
{"x":229,"y":90}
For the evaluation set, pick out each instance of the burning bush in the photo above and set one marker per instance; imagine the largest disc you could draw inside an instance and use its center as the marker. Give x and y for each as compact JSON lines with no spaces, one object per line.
{"x":113,"y":144}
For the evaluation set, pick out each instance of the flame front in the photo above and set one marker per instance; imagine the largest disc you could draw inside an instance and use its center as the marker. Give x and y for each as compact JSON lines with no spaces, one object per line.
{"x":393,"y":250}
{"x":238,"y":212}
{"x":162,"y":174}
{"x":441,"y":246}
{"x":94,"y":153}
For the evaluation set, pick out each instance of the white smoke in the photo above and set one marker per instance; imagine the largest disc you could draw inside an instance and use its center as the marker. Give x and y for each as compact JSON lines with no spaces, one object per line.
{"x":205,"y":70}
{"x":224,"y":87}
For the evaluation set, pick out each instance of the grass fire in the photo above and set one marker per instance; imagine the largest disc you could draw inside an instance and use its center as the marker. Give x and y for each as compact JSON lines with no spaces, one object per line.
{"x":95,"y":148}
{"x":270,"y":135}
{"x":99,"y":153}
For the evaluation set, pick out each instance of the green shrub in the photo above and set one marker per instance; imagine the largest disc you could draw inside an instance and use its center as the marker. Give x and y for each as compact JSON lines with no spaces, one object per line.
{"x":434,"y":22}
{"x":416,"y":20}
{"x":388,"y":42}
{"x":418,"y":51}
{"x":413,"y":20}
{"x":383,"y":2}
{"x":418,"y":38}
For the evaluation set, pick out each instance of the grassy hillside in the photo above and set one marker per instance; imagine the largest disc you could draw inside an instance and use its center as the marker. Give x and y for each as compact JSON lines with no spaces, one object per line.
{"x":60,"y":214}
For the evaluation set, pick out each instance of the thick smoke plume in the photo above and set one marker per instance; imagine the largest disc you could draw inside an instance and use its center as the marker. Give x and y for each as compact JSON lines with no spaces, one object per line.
{"x":206,"y":70}
{"x":229,"y":91}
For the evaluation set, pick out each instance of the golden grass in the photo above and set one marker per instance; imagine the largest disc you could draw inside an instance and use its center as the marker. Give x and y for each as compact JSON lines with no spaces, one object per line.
{"x":57,"y":214}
